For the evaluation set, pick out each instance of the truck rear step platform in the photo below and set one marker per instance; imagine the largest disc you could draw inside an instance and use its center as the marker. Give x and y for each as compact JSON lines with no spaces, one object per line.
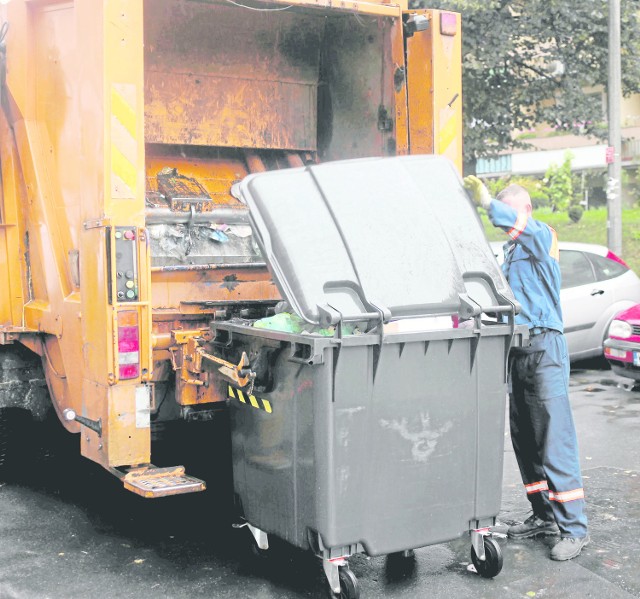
{"x":151,"y":482}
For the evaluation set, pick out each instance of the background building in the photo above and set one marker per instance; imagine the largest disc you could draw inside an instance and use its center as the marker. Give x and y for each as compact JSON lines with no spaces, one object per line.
{"x":589,"y":155}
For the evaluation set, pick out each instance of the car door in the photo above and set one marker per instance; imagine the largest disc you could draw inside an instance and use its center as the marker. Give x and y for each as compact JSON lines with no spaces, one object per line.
{"x":583,"y":299}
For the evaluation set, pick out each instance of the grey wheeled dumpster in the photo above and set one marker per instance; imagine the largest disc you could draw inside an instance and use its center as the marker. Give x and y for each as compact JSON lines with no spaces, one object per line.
{"x":379,"y":428}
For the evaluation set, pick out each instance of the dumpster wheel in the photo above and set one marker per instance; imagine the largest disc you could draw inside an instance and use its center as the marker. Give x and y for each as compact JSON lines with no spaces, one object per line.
{"x":349,"y":585}
{"x":492,"y":564}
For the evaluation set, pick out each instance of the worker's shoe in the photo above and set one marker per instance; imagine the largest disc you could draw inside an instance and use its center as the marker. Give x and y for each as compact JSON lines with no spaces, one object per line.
{"x":568,"y":548}
{"x":532,"y":527}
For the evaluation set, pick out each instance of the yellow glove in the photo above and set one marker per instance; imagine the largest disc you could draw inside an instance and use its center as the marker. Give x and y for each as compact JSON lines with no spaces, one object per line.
{"x":477,"y":190}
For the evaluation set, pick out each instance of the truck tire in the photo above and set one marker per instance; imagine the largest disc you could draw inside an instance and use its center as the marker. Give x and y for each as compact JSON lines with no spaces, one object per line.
{"x":14,"y":444}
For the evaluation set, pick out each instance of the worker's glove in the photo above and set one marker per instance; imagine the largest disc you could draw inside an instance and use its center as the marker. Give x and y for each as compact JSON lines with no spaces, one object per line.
{"x":477,"y":191}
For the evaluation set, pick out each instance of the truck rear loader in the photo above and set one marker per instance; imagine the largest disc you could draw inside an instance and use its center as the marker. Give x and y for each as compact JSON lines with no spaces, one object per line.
{"x":124,"y":126}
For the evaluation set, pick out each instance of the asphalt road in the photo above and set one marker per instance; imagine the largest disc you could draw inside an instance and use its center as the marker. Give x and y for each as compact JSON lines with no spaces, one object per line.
{"x":68,"y":530}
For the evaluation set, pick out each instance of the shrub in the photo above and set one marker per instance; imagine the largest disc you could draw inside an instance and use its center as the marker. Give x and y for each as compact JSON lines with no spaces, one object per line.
{"x":575,"y":212}
{"x":559,"y":184}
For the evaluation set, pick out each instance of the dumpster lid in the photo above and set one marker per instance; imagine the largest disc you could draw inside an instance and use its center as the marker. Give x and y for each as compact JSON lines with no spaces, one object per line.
{"x":393,"y":236}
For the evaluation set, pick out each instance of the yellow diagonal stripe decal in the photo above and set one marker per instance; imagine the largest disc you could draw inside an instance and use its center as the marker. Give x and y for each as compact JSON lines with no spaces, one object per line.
{"x":241,"y":396}
{"x":124,"y":169}
{"x":125,"y":161}
{"x":254,"y":401}
{"x":123,"y":112}
{"x":231,"y":393}
{"x":267,"y":406}
{"x":447,"y":134}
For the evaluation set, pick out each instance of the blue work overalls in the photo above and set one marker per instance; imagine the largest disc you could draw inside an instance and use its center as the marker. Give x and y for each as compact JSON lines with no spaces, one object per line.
{"x":542,"y":428}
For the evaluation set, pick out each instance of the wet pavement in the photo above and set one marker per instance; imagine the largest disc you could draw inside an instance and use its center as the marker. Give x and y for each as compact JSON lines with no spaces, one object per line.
{"x":68,"y":530}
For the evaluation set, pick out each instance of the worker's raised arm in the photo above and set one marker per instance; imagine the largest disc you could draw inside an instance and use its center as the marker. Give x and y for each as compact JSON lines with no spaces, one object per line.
{"x":536,"y":237}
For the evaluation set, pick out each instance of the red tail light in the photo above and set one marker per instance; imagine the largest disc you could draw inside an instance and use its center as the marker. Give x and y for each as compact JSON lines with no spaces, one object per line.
{"x":448,"y":23}
{"x":615,"y":258}
{"x":128,"y":345}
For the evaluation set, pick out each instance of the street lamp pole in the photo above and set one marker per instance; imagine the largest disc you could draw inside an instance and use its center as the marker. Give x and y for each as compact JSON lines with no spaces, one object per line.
{"x":614,"y":88}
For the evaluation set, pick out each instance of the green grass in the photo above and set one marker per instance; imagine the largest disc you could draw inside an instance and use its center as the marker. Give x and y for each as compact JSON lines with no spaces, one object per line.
{"x":592,"y":228}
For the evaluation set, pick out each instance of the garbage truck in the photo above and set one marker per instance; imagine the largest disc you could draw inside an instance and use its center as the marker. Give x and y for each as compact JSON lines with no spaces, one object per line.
{"x":124,"y":126}
{"x":126,"y":241}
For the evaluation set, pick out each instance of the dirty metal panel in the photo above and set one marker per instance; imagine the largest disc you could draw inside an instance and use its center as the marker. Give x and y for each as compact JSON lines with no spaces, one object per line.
{"x":218,"y":76}
{"x":229,"y":112}
{"x":171,"y":290}
{"x":353,"y":96}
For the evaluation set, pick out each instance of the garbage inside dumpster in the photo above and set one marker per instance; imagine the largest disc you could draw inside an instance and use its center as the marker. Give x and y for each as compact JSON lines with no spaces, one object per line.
{"x":390,"y":439}
{"x":292,"y":323}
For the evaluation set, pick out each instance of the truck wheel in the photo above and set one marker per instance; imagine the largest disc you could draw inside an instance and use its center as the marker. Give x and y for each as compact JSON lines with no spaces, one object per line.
{"x":14,"y":423}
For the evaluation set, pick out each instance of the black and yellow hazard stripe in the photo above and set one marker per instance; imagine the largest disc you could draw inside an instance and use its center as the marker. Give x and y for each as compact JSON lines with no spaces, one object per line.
{"x":250,"y":400}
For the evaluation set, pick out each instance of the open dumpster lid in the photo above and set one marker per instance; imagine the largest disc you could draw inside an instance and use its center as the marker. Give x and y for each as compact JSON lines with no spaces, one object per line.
{"x":396,"y":236}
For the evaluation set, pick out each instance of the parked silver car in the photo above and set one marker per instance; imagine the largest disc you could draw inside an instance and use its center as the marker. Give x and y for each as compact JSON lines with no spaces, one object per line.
{"x":596,"y":285}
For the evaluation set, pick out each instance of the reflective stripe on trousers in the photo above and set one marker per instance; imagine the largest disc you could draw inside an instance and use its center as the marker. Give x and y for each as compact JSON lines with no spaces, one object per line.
{"x":543,"y":433}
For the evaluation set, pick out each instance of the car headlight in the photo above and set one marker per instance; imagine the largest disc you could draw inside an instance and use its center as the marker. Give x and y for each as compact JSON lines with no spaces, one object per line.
{"x":620,"y":328}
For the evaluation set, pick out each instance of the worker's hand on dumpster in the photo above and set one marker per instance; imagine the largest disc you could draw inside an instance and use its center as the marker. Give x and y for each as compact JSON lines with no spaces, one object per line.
{"x":477,"y":191}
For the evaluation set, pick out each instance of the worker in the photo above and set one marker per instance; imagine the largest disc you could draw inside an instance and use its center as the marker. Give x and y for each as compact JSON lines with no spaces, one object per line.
{"x":542,"y":428}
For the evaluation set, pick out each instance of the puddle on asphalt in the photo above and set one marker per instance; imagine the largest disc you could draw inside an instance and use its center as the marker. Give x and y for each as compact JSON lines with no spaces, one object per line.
{"x":609,"y":382}
{"x":574,"y":382}
{"x":599,"y":386}
{"x":621,"y":413}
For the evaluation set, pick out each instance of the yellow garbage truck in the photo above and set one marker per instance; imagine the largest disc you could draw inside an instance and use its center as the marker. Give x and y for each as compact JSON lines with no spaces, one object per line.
{"x":124,"y":127}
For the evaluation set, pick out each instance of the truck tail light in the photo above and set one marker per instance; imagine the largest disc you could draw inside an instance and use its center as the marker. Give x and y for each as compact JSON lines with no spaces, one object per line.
{"x":448,"y":23}
{"x":128,"y":345}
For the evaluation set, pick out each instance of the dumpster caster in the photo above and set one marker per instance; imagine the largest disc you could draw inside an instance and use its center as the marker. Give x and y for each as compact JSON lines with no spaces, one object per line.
{"x":256,"y":551}
{"x":349,"y":586}
{"x":491,"y":565}
{"x":258,"y":540}
{"x":343,"y":583}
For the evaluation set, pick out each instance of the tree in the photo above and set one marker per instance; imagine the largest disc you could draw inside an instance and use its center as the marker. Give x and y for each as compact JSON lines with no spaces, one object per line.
{"x":527,"y":62}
